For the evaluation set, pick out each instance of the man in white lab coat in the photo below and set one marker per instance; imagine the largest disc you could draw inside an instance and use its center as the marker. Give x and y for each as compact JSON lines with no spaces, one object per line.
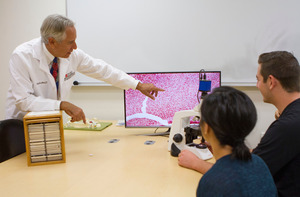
{"x":32,"y":86}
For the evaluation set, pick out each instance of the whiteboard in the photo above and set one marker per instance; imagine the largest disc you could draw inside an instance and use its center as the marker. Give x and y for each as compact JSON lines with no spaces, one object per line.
{"x":186,"y":35}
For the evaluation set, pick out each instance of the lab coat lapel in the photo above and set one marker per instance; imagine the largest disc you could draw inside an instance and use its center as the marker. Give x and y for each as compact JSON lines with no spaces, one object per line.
{"x":63,"y":66}
{"x":38,"y":54}
{"x":44,"y":65}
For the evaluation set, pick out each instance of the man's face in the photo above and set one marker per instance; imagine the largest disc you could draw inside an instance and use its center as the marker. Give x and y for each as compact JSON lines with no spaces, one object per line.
{"x":65,"y":47}
{"x":263,"y":87}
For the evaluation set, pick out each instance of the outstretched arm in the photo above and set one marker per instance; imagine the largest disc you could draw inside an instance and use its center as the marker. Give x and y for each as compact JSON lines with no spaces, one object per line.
{"x":75,"y":112}
{"x":148,"y":89}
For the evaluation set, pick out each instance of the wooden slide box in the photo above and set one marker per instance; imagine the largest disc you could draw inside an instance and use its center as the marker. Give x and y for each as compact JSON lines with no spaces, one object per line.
{"x":44,"y":138}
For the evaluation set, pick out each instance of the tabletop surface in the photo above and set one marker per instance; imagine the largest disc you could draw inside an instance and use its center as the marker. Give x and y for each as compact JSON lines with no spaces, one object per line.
{"x":96,"y":167}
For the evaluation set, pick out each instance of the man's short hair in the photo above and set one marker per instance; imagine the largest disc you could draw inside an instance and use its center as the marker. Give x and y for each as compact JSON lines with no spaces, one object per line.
{"x":55,"y":26}
{"x":283,"y":66}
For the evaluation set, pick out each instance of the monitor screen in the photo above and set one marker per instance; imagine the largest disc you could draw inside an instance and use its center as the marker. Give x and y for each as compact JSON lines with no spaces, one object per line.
{"x":181,"y":93}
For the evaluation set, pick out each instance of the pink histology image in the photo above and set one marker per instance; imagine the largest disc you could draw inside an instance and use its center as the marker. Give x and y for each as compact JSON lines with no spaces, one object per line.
{"x":180,"y":94}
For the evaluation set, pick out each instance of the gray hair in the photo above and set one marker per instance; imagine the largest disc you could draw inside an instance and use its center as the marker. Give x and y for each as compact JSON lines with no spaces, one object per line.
{"x":55,"y":26}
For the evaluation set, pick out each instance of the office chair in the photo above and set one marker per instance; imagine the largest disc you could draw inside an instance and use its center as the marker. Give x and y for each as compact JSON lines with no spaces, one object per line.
{"x":12,"y":140}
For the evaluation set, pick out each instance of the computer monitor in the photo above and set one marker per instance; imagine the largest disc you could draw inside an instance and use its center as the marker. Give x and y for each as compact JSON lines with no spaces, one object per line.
{"x":181,"y":93}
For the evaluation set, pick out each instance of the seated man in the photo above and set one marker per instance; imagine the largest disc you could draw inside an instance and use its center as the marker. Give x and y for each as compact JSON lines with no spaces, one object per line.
{"x":278,"y":79}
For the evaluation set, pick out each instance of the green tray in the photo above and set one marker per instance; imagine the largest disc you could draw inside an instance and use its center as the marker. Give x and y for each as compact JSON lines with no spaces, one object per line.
{"x":103,"y":126}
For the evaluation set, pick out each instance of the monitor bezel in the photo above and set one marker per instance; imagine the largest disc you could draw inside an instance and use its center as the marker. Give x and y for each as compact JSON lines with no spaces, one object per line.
{"x":162,"y":72}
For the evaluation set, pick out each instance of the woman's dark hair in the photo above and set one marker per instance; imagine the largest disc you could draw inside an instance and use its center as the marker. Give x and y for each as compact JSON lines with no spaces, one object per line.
{"x":232,"y":115}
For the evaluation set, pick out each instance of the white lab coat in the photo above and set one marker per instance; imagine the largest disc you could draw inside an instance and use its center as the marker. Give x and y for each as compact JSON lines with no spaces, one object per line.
{"x":32,"y":87}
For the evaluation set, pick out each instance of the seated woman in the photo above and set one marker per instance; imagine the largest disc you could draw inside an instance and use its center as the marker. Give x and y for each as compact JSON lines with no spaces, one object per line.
{"x":227,"y":117}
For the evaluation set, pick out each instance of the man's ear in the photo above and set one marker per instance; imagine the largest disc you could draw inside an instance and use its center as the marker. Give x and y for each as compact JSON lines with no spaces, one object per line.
{"x":51,"y":42}
{"x":272,"y":82}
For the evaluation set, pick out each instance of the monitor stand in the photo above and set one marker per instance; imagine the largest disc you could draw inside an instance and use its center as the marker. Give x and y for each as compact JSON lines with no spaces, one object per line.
{"x":166,"y":133}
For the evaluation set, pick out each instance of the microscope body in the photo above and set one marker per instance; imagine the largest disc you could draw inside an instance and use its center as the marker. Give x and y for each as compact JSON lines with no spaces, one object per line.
{"x":178,"y":136}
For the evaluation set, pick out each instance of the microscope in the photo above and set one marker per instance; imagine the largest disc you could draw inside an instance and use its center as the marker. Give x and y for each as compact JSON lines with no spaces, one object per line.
{"x":182,"y":134}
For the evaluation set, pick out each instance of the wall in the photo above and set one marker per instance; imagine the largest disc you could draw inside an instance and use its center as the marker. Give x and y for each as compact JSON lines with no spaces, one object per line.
{"x":20,"y":21}
{"x":176,"y":35}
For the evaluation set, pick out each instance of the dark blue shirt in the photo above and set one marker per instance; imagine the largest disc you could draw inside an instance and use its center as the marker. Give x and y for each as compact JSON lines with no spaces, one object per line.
{"x":280,"y":150}
{"x":232,"y":177}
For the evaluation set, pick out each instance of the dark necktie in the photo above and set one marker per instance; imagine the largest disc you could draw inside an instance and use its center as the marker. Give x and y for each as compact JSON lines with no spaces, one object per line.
{"x":54,"y":71}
